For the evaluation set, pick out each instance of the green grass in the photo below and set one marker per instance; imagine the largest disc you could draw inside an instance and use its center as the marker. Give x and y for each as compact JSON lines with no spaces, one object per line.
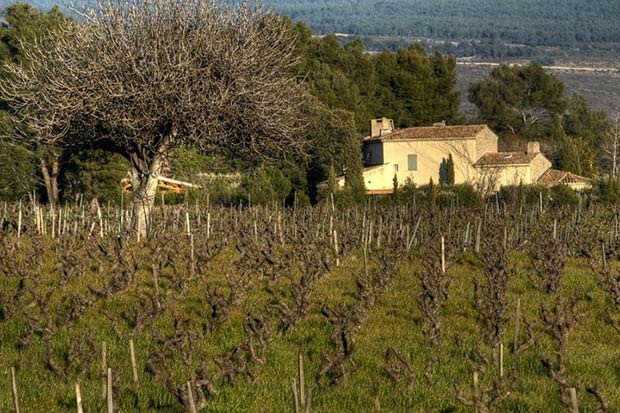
{"x":593,"y":350}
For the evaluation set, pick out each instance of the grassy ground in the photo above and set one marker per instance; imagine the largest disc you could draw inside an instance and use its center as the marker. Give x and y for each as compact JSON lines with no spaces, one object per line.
{"x":593,"y":348}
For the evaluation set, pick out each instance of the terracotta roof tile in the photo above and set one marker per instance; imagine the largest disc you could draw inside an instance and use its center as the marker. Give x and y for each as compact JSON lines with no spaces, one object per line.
{"x":432,"y":132}
{"x":379,"y":191}
{"x":553,"y":176}
{"x":506,"y":158}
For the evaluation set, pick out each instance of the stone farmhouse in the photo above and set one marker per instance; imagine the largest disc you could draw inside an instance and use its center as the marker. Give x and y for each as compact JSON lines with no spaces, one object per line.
{"x":421,"y":153}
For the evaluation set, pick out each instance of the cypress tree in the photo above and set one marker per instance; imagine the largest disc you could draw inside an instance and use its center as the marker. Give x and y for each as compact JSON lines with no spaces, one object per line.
{"x":520,"y":195}
{"x":395,"y":188}
{"x":450,"y":171}
{"x":432,"y":194}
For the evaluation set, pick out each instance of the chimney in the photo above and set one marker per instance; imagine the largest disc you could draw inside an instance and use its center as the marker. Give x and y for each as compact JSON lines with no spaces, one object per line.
{"x":380,"y":127}
{"x":533,"y":148}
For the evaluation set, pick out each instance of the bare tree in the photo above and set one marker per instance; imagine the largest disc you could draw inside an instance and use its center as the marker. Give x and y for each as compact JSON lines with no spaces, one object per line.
{"x":139,"y":77}
{"x":611,"y":147}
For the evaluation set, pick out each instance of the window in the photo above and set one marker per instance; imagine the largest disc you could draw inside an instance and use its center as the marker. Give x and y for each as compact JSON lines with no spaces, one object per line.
{"x":395,"y":167}
{"x":412,"y":161}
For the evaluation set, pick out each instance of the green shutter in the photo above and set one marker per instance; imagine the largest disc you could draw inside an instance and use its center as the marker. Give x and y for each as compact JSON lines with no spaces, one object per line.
{"x":412,"y":160}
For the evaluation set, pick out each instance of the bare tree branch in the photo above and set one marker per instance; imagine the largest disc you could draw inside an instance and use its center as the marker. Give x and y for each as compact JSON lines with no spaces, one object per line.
{"x":140,"y":77}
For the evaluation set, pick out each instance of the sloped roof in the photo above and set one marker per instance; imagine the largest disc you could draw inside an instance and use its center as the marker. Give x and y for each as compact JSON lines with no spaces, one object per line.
{"x":432,"y":133}
{"x":554,"y":177}
{"x":366,"y":169}
{"x":506,"y":158}
{"x":379,"y":191}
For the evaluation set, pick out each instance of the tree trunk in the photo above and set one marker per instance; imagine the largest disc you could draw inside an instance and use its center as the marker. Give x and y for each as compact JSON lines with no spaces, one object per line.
{"x":144,"y":187}
{"x":54,"y":178}
{"x":50,"y":181}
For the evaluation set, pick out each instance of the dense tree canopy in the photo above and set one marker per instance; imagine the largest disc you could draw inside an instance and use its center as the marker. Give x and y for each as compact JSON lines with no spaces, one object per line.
{"x":527,"y":103}
{"x":407,"y":85}
{"x":581,"y":120}
{"x":22,"y":26}
{"x":524,"y":100}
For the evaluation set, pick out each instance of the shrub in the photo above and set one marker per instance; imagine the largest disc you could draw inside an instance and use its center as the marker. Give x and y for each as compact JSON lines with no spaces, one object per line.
{"x":223,"y":190}
{"x":95,"y":174}
{"x":348,"y":196}
{"x":17,"y":172}
{"x":562,"y":195}
{"x":265,"y":185}
{"x":607,"y":190}
{"x":300,"y":199}
{"x":516,"y":195}
{"x":465,"y":195}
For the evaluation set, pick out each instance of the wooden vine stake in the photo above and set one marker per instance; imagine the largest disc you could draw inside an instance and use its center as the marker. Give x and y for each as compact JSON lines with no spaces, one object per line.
{"x":309,"y":400}
{"x":78,"y":398}
{"x":14,"y":388}
{"x":209,"y":225}
{"x":478,"y":233}
{"x":573,"y":400}
{"x":540,"y":201}
{"x":134,"y":367}
{"x":53,"y":219}
{"x":466,"y":238}
{"x":517,"y":321}
{"x":37,"y":212}
{"x":443,"y":255}
{"x":475,"y":397}
{"x":192,"y":269}
{"x":301,"y":399}
{"x":501,"y":361}
{"x":156,"y":287}
{"x":110,"y":397}
{"x":104,"y":366}
{"x":121,"y":226}
{"x":190,"y":398}
{"x":100,"y":217}
{"x":336,"y":248}
{"x":302,"y":383}
{"x":295,"y":396}
{"x":19,"y":221}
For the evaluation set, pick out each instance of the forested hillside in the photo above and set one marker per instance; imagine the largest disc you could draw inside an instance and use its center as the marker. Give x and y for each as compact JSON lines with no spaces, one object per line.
{"x":533,"y":29}
{"x":482,"y":28}
{"x":550,"y":22}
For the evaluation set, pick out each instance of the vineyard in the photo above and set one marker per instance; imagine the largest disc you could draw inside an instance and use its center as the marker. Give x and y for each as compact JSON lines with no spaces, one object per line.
{"x":382,"y":308}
